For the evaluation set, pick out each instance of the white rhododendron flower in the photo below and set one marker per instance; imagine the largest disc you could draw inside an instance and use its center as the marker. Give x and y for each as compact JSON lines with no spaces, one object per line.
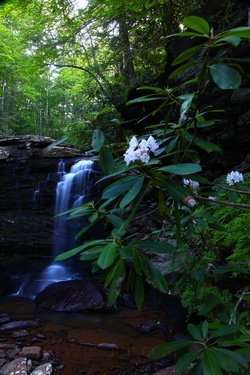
{"x":193,"y":185}
{"x":140,"y":151}
{"x":234,"y":177}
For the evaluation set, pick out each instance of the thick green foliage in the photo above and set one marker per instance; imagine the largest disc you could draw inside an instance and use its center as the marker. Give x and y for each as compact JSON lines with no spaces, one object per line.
{"x":125,"y":260}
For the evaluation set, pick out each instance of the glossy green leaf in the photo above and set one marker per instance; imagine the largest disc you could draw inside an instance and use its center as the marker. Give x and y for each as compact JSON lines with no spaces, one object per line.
{"x":126,"y":252}
{"x":97,"y":139}
{"x":210,"y":365}
{"x":182,"y":169}
{"x":115,"y":220}
{"x":116,"y":283}
{"x":116,"y":273}
{"x":229,"y":360}
{"x":185,"y":360}
{"x":107,"y":256}
{"x":233,"y":40}
{"x":225,"y":77}
{"x":201,"y":142}
{"x":70,"y":253}
{"x":194,"y":332}
{"x":91,"y":254}
{"x":106,"y":160}
{"x":119,"y":187}
{"x":224,"y":331}
{"x":186,"y":54}
{"x":175,"y":190}
{"x":171,"y":145}
{"x":132,"y":192}
{"x":187,"y":103}
{"x":204,"y":329}
{"x":166,"y":348}
{"x":182,"y":69}
{"x":241,"y":32}
{"x":197,"y":24}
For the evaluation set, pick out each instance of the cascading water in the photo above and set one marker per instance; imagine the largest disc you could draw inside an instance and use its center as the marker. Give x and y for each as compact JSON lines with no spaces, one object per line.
{"x":73,"y":189}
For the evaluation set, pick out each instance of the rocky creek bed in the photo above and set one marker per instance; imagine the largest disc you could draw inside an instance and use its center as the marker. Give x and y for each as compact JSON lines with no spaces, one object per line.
{"x":36,"y":341}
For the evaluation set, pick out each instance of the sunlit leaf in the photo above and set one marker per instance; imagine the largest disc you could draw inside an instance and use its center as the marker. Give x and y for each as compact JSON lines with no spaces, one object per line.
{"x":197,"y":24}
{"x":225,"y":77}
{"x":97,"y":139}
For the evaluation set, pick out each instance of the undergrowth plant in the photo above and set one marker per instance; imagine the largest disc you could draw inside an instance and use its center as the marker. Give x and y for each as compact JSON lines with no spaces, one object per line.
{"x":163,"y":165}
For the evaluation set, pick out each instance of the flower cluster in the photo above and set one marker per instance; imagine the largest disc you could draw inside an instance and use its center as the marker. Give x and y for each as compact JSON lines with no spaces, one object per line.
{"x":234,"y":177}
{"x":140,"y":151}
{"x":192,"y":185}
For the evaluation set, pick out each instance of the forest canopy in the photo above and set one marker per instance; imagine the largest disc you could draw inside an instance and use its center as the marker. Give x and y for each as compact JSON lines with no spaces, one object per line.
{"x":61,"y":61}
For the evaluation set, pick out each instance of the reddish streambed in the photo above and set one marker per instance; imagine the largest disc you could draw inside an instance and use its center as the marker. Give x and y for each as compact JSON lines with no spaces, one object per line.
{"x":64,"y":333}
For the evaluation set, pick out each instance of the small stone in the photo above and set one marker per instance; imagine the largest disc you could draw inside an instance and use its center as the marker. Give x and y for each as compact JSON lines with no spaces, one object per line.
{"x":18,"y":334}
{"x":16,"y":367}
{"x":45,"y":369}
{"x":32,"y":352}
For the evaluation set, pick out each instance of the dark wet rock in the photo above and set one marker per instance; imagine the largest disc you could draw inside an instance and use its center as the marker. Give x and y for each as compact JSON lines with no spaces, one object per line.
{"x":108,"y":346}
{"x":73,"y":295}
{"x":32,"y":352}
{"x":150,"y":325}
{"x":18,"y":334}
{"x":4,"y":318}
{"x":18,"y":324}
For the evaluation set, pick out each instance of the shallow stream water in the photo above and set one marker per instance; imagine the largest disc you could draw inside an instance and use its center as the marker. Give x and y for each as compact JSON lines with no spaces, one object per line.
{"x":66,"y":334}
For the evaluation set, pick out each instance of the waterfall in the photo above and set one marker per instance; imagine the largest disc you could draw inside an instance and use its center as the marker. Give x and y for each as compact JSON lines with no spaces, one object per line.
{"x":72,"y":190}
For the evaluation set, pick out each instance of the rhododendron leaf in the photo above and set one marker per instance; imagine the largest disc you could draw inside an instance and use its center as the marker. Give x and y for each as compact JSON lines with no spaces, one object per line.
{"x":132,"y":192}
{"x":186,"y":54}
{"x":241,"y":32}
{"x":166,"y":348}
{"x":184,"y":362}
{"x":156,"y":277}
{"x":197,"y":24}
{"x":97,"y":139}
{"x":106,"y":160}
{"x":225,"y":77}
{"x":119,"y":187}
{"x":210,"y":365}
{"x":234,"y":40}
{"x":182,"y":69}
{"x":182,"y":169}
{"x":107,"y":256}
{"x":200,"y":142}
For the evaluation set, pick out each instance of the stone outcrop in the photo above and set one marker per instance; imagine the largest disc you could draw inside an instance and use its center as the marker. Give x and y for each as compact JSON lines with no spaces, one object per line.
{"x":73,"y":295}
{"x":29,"y":164}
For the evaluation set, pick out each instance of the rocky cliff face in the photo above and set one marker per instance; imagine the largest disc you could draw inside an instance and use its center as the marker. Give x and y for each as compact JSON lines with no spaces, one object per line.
{"x":28,"y":178}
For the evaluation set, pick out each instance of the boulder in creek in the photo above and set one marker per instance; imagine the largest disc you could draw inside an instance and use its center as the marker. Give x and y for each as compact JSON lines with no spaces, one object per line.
{"x":73,"y":295}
